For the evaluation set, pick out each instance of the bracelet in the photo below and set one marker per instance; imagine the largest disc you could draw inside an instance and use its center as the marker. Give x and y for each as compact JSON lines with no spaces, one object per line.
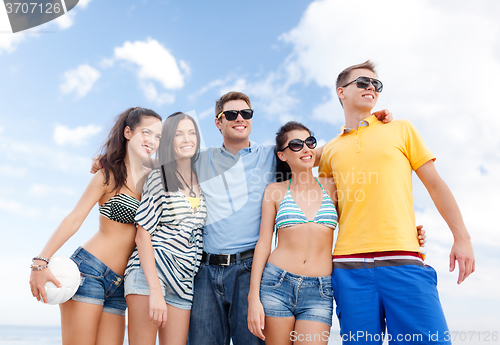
{"x":38,"y":267}
{"x":40,"y":258}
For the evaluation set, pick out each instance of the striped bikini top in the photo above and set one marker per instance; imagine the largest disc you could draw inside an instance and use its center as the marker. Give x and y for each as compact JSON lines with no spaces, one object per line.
{"x":120,"y":208}
{"x":289,"y":213}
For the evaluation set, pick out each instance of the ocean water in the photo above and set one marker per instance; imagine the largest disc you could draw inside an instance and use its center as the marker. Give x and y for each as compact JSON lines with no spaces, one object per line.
{"x":23,"y":335}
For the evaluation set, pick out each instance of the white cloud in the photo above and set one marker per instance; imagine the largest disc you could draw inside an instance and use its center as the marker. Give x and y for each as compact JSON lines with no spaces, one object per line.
{"x":206,"y":113}
{"x":43,"y":190}
{"x":76,"y":137}
{"x":11,"y":171}
{"x":83,"y":3}
{"x":152,"y":94}
{"x":66,"y":21}
{"x":79,"y":80}
{"x":155,"y":65}
{"x":436,"y":65}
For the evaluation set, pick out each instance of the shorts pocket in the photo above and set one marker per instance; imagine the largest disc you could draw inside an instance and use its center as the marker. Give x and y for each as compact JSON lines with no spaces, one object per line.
{"x":326,"y":291}
{"x":88,"y":270}
{"x":270,"y":281}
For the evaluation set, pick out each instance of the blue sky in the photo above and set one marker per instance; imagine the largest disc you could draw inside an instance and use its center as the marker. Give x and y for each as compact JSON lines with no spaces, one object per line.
{"x":63,"y":83}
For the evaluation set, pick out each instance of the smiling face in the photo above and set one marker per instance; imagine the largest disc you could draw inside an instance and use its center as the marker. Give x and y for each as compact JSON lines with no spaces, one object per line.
{"x":354,"y":97}
{"x":185,"y":142}
{"x":237,"y":130}
{"x":144,"y":140}
{"x":301,"y":159}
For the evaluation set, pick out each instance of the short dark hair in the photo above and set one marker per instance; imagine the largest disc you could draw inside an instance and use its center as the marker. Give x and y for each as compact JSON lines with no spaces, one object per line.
{"x":230,"y":96}
{"x":343,"y":77}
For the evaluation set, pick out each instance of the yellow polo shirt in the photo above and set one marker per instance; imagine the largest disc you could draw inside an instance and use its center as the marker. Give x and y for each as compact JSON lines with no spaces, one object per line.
{"x":372,"y":168}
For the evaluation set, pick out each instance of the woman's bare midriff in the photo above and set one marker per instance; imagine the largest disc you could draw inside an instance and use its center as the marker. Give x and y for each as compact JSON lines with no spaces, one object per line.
{"x":113,"y":244}
{"x":301,"y":250}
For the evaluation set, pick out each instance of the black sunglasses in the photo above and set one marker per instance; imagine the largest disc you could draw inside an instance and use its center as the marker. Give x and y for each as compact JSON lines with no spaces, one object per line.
{"x":232,"y":115}
{"x":364,"y":82}
{"x":296,"y":145}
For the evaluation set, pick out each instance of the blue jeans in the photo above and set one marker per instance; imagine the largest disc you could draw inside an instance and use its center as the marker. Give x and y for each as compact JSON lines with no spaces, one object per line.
{"x":284,"y":294}
{"x":98,"y":283}
{"x":220,"y":305}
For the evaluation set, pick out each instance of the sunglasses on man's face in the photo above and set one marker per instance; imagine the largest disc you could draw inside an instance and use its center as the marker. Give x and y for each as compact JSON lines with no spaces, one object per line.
{"x":232,"y":115}
{"x":296,"y":145}
{"x":364,"y":83}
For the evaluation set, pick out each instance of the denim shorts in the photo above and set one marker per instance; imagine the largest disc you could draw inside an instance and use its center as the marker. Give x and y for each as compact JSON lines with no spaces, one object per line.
{"x":98,"y":283}
{"x":284,"y":294}
{"x":136,"y":284}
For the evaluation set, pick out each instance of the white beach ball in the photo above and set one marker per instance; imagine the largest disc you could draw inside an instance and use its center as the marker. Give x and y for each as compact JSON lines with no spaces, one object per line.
{"x":66,"y":271}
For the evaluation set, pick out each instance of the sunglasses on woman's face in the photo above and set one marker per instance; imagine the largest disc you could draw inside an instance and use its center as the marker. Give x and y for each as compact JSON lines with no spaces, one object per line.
{"x":364,"y":83}
{"x":296,"y":145}
{"x":232,"y":115}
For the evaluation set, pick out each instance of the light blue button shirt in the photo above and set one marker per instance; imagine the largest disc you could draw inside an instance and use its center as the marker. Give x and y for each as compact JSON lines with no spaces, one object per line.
{"x":234,"y":186}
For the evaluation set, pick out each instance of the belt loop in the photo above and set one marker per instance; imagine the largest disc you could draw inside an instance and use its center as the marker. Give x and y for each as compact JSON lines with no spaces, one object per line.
{"x":238,"y":258}
{"x":207,"y":261}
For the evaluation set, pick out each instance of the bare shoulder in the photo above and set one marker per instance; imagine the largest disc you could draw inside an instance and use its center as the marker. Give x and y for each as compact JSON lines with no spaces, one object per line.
{"x":99,"y":181}
{"x":276,"y":191}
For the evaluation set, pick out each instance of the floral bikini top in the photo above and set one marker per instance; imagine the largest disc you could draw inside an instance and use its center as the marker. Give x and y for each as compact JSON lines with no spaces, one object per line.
{"x":120,"y":208}
{"x":289,"y":213}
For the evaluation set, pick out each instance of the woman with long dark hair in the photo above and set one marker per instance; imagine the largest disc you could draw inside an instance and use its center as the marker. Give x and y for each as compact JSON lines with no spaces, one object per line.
{"x":170,"y":219}
{"x":96,"y":313}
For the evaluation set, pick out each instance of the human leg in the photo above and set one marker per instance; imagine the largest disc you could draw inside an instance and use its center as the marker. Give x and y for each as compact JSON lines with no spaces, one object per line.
{"x":111,"y":329}
{"x":412,"y":307}
{"x":96,"y":313}
{"x":311,"y":332}
{"x":236,"y":288}
{"x":176,"y":330}
{"x":141,"y":330}
{"x":358,"y":305}
{"x":79,"y":322}
{"x":279,"y":330}
{"x":208,"y":321}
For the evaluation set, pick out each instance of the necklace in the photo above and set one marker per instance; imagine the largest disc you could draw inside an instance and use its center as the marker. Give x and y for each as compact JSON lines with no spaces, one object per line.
{"x":192,"y":194}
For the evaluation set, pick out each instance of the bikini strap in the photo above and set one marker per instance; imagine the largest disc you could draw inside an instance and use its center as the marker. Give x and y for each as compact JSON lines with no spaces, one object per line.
{"x":319,"y":183}
{"x":289,"y":182}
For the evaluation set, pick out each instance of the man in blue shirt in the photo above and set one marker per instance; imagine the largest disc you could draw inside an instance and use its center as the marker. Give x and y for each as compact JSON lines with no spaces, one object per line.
{"x":233,"y":178}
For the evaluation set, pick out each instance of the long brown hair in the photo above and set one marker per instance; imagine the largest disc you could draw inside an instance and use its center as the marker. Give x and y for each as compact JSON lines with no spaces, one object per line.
{"x":115,"y":148}
{"x":166,"y":152}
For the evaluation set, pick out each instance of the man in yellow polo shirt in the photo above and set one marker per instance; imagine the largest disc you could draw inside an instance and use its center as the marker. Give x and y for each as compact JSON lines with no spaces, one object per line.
{"x":379,"y":278}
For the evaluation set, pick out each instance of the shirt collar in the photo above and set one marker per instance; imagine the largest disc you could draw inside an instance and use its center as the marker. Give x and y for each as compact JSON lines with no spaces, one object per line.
{"x":249,"y":149}
{"x":364,"y":123}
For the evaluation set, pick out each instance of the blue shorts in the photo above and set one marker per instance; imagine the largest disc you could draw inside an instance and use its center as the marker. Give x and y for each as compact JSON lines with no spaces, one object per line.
{"x":285,"y":294}
{"x":136,"y":284}
{"x":371,"y":294}
{"x":98,"y":283}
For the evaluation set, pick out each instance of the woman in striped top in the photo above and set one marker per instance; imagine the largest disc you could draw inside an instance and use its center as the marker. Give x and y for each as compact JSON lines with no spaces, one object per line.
{"x":170,"y":219}
{"x":96,"y":313}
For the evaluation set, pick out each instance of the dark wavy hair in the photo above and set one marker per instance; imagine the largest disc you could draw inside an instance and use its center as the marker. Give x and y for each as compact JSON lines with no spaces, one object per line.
{"x":166,"y":152}
{"x":283,"y":171}
{"x":115,"y":148}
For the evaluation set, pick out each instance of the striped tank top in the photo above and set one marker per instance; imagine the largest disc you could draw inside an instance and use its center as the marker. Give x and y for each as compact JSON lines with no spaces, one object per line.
{"x":289,"y":213}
